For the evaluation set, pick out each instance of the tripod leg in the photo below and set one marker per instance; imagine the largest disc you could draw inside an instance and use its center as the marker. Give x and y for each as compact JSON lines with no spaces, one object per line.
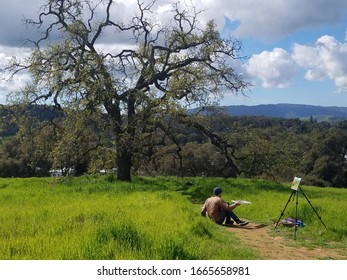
{"x":309,"y":202}
{"x":284,"y":209}
{"x":296,"y":214}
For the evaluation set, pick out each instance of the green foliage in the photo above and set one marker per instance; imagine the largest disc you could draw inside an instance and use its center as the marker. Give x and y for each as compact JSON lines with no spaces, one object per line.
{"x":269,"y":148}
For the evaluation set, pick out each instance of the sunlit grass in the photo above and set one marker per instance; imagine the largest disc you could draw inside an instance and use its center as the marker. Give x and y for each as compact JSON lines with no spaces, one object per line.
{"x":88,"y":218}
{"x":150,"y":218}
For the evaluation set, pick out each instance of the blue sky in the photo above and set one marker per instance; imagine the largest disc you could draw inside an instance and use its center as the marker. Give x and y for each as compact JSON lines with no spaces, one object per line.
{"x":322,"y":91}
{"x":296,"y":51}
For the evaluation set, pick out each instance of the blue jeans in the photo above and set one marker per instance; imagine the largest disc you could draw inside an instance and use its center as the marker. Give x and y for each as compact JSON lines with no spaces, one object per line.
{"x":227,"y":215}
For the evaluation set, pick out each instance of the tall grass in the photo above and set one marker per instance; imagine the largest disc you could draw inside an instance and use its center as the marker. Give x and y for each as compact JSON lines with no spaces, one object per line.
{"x":150,"y":218}
{"x":99,"y":218}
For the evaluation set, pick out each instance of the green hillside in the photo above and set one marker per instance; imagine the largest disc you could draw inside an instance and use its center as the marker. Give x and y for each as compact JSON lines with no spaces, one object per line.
{"x":150,"y":218}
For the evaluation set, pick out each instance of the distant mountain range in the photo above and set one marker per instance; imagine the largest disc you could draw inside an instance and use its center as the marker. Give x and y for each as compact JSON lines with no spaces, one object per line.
{"x":319,"y":113}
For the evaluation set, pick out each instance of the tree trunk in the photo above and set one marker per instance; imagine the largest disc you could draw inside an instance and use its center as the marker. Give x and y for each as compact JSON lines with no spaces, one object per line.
{"x":125,"y":145}
{"x":124,"y":163}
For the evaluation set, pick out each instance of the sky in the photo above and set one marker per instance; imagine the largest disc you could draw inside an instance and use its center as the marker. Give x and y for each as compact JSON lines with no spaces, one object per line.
{"x":293,"y":51}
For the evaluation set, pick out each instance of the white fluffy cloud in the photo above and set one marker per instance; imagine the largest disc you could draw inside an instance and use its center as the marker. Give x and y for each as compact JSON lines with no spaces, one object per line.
{"x":19,"y":80}
{"x":327,"y":59}
{"x":274,"y":69}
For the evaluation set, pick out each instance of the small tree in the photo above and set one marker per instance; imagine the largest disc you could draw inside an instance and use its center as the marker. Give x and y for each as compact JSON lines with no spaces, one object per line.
{"x":168,"y":65}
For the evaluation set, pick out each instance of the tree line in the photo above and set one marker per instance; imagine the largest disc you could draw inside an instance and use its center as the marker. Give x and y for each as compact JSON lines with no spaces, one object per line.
{"x":228,"y":146}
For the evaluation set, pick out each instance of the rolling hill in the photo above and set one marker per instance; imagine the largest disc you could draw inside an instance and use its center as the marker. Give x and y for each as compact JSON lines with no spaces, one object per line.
{"x":319,"y":113}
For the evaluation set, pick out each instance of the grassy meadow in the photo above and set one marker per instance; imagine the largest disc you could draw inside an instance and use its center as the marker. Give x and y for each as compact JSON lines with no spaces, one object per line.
{"x":93,"y":217}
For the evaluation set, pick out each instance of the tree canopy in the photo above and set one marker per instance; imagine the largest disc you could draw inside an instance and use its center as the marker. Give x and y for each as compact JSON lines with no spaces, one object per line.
{"x":164,"y":67}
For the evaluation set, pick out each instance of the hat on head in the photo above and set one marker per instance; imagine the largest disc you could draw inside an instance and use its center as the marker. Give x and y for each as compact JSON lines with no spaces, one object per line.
{"x":217,"y":191}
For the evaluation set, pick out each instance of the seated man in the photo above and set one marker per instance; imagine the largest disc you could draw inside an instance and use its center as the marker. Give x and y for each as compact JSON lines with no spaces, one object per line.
{"x":219,"y":211}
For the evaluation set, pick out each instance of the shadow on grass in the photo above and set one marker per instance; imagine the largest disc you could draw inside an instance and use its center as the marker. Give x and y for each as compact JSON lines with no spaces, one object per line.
{"x":248,"y":227}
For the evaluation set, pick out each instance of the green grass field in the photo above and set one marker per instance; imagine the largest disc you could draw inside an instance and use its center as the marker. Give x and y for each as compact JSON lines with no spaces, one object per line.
{"x":151,"y":218}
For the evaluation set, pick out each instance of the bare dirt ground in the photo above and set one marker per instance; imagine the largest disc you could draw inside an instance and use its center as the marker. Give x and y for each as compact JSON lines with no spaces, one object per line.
{"x":274,"y":247}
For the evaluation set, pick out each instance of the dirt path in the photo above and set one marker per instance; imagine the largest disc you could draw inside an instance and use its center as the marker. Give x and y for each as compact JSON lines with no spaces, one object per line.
{"x":274,"y":247}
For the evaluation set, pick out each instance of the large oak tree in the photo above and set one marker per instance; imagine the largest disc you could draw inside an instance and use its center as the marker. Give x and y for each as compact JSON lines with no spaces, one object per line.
{"x":164,"y":67}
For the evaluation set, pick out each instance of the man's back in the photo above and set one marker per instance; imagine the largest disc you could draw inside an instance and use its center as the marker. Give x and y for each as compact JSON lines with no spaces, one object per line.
{"x":213,"y":206}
